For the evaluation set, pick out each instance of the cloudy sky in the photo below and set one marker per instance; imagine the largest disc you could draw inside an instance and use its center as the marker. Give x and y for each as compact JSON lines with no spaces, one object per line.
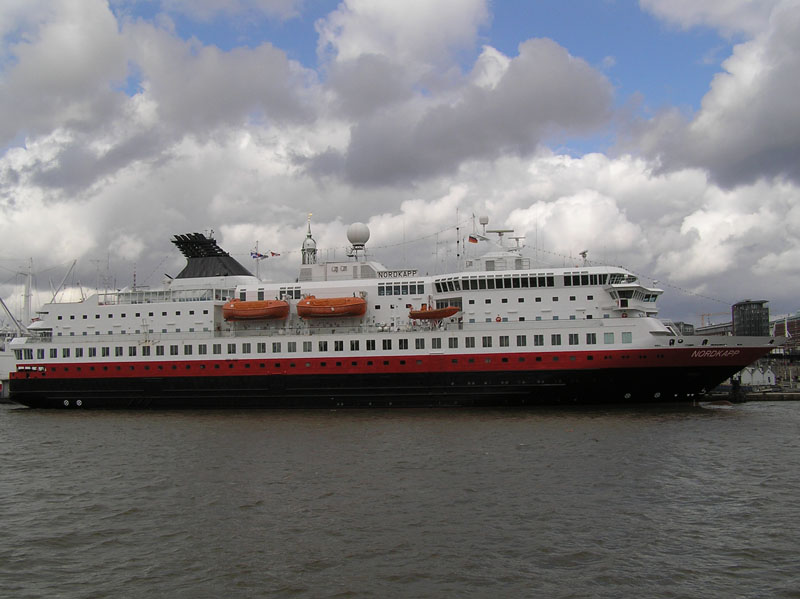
{"x":662,"y":135}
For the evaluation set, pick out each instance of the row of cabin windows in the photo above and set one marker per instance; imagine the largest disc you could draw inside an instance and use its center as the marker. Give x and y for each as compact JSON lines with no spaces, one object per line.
{"x":125,"y":315}
{"x":575,"y":280}
{"x":495,"y":282}
{"x":521,"y":300}
{"x":555,"y":339}
{"x":404,"y":288}
{"x":125,"y":332}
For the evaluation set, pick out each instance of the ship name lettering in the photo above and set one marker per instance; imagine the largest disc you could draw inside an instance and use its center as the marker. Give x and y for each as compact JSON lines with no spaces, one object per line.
{"x":715,"y":353}
{"x":385,"y":274}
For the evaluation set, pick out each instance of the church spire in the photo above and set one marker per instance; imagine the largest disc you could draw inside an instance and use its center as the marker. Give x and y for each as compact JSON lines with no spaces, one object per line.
{"x":309,"y":250}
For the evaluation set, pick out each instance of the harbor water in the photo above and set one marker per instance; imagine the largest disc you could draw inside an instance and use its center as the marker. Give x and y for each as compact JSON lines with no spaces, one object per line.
{"x":684,"y":501}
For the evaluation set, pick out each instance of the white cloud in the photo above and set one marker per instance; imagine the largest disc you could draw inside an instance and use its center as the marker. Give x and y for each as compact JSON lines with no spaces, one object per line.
{"x":729,"y":16}
{"x":749,"y":124}
{"x":62,"y":69}
{"x":395,"y":132}
{"x":415,"y":32}
{"x":490,"y":67}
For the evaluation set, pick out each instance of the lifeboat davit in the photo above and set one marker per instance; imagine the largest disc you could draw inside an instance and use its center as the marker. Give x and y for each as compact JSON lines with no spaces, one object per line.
{"x":426,"y":313}
{"x":327,"y":307}
{"x":255,"y":310}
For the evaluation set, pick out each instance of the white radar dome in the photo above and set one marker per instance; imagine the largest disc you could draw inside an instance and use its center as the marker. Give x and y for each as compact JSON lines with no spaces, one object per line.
{"x":358,"y":233}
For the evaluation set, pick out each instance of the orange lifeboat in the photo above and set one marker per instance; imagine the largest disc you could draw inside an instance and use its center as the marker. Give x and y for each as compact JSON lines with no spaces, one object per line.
{"x":328,"y":307}
{"x":426,"y":313}
{"x":255,"y":310}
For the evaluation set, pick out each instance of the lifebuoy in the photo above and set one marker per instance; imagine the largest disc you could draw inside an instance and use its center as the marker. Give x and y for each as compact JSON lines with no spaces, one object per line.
{"x":498,"y":319}
{"x":624,"y":315}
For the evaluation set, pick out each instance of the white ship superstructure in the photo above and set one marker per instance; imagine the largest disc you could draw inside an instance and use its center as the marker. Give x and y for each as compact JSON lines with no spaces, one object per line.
{"x":356,"y":333}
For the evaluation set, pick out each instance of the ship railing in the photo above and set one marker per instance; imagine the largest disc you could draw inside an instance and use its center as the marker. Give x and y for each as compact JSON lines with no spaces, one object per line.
{"x":302,"y":330}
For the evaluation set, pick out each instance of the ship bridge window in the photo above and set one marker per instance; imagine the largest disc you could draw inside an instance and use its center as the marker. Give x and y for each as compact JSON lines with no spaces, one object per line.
{"x":490,"y":283}
{"x":481,"y":283}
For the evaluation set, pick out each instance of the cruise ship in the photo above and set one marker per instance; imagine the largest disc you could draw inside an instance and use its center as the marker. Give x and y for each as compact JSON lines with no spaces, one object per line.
{"x":354,"y":333}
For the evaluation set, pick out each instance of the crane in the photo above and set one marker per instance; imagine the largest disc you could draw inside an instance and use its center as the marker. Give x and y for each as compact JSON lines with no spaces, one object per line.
{"x":708,"y":315}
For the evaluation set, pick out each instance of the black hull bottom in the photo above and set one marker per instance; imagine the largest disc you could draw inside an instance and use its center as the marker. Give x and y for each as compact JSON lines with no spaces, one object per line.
{"x":474,"y":389}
